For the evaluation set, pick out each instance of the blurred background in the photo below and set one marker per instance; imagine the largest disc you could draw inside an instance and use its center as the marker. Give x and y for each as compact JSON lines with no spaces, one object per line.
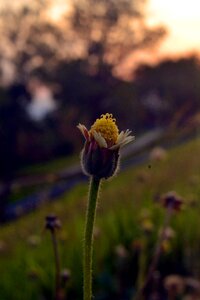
{"x":66,"y":62}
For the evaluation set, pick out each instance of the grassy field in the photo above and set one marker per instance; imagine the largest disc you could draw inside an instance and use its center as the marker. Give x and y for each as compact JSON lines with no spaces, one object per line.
{"x":26,"y":256}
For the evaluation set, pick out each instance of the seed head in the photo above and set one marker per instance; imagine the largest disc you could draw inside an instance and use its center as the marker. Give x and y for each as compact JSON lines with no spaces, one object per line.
{"x":52,"y":222}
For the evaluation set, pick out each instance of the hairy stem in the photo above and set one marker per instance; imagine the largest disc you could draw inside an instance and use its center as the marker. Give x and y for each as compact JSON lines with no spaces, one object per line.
{"x":88,"y":239}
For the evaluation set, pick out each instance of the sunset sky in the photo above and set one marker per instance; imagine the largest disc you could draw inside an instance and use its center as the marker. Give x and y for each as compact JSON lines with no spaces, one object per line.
{"x":182,"y":18}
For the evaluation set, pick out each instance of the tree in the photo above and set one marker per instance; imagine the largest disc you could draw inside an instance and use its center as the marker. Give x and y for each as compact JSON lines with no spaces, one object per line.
{"x":171,"y":82}
{"x":102,"y":32}
{"x":111,"y":30}
{"x":29,"y":39}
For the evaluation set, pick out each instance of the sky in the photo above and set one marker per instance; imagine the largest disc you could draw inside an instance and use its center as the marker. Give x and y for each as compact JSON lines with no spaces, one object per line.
{"x":182,"y":18}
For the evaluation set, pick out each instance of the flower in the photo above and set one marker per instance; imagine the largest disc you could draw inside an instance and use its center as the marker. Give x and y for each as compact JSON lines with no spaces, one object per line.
{"x":172,"y":200}
{"x":100,"y":155}
{"x":174,"y":284}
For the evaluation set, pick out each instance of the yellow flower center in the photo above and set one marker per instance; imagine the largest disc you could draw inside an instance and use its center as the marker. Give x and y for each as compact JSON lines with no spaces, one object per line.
{"x":107,"y":127}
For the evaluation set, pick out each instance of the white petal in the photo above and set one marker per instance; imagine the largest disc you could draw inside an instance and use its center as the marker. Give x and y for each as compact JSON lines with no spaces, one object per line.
{"x":127,"y":140}
{"x":99,"y":139}
{"x":123,"y":135}
{"x":123,"y":139}
{"x":127,"y":132}
{"x":120,"y":137}
{"x":84,"y":131}
{"x":116,"y":146}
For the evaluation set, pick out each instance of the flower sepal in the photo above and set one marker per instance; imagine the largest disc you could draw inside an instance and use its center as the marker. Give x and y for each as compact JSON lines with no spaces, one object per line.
{"x":99,"y":162}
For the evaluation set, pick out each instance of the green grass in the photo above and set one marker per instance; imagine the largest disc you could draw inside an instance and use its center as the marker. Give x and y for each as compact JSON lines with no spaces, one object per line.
{"x":47,"y":173}
{"x":29,"y":270}
{"x":49,"y":166}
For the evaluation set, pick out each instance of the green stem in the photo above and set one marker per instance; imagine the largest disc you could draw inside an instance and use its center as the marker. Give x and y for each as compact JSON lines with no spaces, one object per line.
{"x":142,"y":263}
{"x":88,"y":241}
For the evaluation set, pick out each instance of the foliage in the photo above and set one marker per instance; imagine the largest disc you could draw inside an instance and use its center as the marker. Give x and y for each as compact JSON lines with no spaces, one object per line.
{"x":98,"y":31}
{"x":171,"y":79}
{"x":26,"y":260}
{"x":163,"y":95}
{"x":111,"y":30}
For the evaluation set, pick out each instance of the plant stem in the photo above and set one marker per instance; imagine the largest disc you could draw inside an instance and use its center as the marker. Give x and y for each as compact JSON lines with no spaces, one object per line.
{"x":57,"y":264}
{"x":142,"y":264}
{"x":88,"y":239}
{"x":157,"y":253}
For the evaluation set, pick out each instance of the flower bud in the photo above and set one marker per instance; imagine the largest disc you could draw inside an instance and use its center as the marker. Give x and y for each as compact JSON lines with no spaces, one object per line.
{"x":100,"y":155}
{"x":52,"y":222}
{"x":99,"y":162}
